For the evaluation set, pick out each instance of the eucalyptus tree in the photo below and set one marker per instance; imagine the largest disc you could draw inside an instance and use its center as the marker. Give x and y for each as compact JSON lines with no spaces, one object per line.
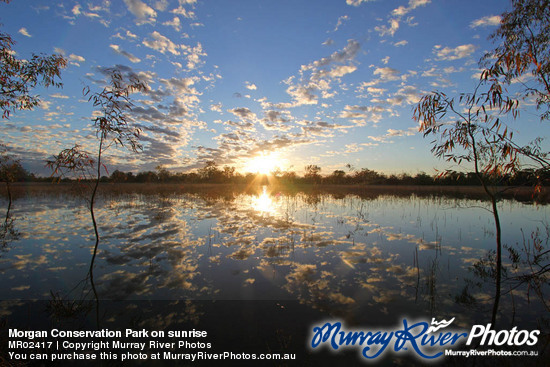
{"x":19,"y":76}
{"x":113,"y":128}
{"x":472,"y":127}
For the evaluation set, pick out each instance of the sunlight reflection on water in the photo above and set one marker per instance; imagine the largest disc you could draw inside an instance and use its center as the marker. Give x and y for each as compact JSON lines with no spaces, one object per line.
{"x":263,"y":202}
{"x":335,"y":253}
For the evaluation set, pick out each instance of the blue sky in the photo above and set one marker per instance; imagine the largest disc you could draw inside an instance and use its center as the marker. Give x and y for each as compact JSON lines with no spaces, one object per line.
{"x":308,"y":82}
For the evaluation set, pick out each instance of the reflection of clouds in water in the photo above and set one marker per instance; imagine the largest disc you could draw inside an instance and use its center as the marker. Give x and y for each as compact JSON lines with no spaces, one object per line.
{"x":330,"y":253}
{"x":159,"y":254}
{"x":7,"y":305}
{"x":21,"y":288}
{"x":28,"y":262}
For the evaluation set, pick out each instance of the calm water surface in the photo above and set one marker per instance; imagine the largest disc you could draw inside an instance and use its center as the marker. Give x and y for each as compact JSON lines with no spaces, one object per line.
{"x":358,"y":258}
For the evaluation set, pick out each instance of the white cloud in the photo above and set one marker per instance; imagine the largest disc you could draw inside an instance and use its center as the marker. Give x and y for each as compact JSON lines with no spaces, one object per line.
{"x":184,"y":12}
{"x":161,"y":5}
{"x":489,"y":20}
{"x":456,"y":53}
{"x":376,"y":91}
{"x":58,"y":95}
{"x":394,"y":133}
{"x":126,"y":54}
{"x":347,"y":53}
{"x":391,"y":29}
{"x":340,"y":71}
{"x":357,"y":2}
{"x":76,"y":10}
{"x":243,"y":112}
{"x":131,"y":35}
{"x":142,"y":11}
{"x":302,"y":94}
{"x":397,"y":14}
{"x":409,"y":132}
{"x":319,"y":75}
{"x":24,"y":32}
{"x":193,"y":55}
{"x":76,"y":58}
{"x":341,"y":21}
{"x":400,"y":11}
{"x":161,"y":44}
{"x":400,"y":43}
{"x":175,"y":23}
{"x":250,"y":86}
{"x":216,"y":107}
{"x":413,"y":4}
{"x":408,"y":94}
{"x":387,"y":73}
{"x":45,"y":105}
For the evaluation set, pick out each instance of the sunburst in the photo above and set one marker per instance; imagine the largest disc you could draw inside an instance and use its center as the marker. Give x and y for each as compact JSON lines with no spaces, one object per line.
{"x":263,"y":164}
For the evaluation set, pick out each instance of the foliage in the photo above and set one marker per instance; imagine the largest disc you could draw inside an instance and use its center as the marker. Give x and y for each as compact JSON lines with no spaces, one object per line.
{"x":112,"y":125}
{"x":471,"y":127}
{"x":312,"y":173}
{"x":474,"y":132}
{"x":10,"y":168}
{"x":524,"y":33}
{"x":477,"y":131}
{"x":72,"y":162}
{"x":19,"y":76}
{"x":112,"y":122}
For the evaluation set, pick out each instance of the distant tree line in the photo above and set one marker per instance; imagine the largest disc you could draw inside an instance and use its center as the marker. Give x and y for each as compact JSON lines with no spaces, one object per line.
{"x":212,"y":173}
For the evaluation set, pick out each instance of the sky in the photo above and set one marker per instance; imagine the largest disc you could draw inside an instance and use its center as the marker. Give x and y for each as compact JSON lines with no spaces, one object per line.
{"x":324,"y":82}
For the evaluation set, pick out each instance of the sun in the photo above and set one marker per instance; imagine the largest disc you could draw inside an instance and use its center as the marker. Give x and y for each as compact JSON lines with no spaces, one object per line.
{"x":264,"y":164}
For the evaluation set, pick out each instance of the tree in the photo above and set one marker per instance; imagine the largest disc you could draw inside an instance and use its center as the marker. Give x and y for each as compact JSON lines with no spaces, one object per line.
{"x":210,"y":172}
{"x":112,"y":127}
{"x":312,"y":173}
{"x":337,"y":177}
{"x":471,"y":127}
{"x":524,"y":33}
{"x":19,"y":76}
{"x":162,"y":173}
{"x":10,"y":171}
{"x":468,"y":136}
{"x":118,"y":176}
{"x":228,"y":173}
{"x":367,"y":176}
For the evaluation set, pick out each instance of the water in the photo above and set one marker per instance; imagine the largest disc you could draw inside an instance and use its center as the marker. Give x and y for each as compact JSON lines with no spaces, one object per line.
{"x":360,"y":258}
{"x":325,"y":250}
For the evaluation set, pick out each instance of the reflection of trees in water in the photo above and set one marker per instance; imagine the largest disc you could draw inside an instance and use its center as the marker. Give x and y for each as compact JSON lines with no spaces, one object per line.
{"x":8,"y":231}
{"x":339,"y":255}
{"x":146,"y":251}
{"x":525,"y":279}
